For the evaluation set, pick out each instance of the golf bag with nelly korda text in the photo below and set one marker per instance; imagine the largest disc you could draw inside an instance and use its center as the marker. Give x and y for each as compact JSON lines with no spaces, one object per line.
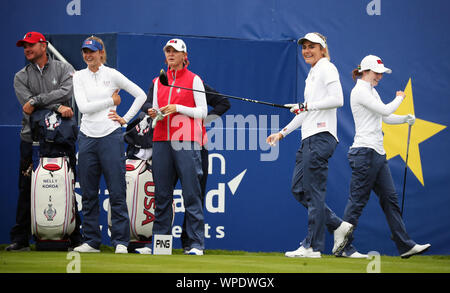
{"x":52,"y":201}
{"x":54,"y":219}
{"x":140,"y":202}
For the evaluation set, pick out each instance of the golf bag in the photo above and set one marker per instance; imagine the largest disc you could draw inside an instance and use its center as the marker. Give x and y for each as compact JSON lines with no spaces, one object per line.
{"x":52,"y":200}
{"x":53,"y":206}
{"x":140,"y":202}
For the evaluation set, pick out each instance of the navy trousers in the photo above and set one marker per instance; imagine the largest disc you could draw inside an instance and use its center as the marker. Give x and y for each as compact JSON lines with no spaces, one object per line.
{"x":169,"y":165}
{"x":97,"y":156}
{"x":204,"y":153}
{"x":309,"y":185}
{"x":370,"y":171}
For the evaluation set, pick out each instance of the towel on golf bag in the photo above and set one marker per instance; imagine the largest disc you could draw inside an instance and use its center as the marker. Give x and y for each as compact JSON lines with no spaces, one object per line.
{"x":56,"y":135}
{"x":139,"y":137}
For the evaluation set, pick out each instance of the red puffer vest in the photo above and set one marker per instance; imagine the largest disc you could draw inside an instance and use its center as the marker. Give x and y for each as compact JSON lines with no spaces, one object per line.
{"x":178,"y":127}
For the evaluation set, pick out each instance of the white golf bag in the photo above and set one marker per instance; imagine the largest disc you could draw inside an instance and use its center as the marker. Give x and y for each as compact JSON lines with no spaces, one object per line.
{"x":140,"y":202}
{"x":52,"y":200}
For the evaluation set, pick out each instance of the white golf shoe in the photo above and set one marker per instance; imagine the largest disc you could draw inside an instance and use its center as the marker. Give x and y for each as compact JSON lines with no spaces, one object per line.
{"x":194,"y":251}
{"x":341,"y":235}
{"x":85,"y":248}
{"x":120,"y":248}
{"x":303,"y":252}
{"x":144,"y":250}
{"x":354,"y":255}
{"x":417,"y":249}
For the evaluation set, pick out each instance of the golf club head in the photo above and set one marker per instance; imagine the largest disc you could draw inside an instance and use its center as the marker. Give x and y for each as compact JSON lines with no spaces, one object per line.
{"x":163,"y":78}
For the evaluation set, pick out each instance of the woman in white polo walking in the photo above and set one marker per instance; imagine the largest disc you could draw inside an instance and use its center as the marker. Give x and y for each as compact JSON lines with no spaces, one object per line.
{"x":367,"y":157}
{"x":317,"y":118}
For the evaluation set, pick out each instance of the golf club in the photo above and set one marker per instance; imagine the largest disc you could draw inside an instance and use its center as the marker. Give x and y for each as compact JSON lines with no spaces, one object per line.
{"x":164,"y":81}
{"x":406,"y":168}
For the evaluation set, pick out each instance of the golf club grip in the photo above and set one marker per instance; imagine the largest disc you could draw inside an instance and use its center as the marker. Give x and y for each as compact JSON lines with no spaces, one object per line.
{"x":232,"y":97}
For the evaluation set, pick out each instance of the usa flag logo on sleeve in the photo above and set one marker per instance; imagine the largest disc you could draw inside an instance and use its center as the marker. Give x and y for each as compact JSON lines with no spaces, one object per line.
{"x":321,"y":124}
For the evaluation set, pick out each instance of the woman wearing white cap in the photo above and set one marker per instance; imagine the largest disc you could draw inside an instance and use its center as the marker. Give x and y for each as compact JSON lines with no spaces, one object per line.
{"x":367,"y":157}
{"x":101,"y":145}
{"x":177,"y":140}
{"x":317,"y":117}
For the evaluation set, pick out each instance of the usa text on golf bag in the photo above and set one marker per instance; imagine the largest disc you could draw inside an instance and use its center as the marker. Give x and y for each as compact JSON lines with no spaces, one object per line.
{"x":140,"y":200}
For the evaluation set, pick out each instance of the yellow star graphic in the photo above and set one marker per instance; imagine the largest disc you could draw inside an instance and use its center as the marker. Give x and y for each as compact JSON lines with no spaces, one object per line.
{"x":396,"y":136}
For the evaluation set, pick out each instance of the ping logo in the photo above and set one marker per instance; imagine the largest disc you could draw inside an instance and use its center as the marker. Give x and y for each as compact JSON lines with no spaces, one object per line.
{"x":162,"y":243}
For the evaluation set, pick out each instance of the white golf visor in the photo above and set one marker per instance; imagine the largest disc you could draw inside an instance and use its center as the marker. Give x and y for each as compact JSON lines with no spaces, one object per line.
{"x":314,"y":38}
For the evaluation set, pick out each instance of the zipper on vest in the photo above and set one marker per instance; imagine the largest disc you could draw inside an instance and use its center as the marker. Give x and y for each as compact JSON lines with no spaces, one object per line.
{"x":168,"y":103}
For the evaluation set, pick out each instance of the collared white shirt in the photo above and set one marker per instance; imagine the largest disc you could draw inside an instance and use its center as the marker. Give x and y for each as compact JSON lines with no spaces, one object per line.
{"x":368,"y":113}
{"x":323,"y":94}
{"x":93,"y":95}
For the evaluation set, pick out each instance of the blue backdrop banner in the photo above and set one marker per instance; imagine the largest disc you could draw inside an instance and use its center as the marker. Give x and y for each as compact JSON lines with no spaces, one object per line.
{"x":248,"y":49}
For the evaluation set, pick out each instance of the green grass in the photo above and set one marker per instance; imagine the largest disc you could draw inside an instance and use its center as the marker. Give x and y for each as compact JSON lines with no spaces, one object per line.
{"x":214,"y":261}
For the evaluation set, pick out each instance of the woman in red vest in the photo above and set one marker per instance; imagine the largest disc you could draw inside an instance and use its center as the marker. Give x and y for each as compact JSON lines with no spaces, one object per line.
{"x":177,"y":140}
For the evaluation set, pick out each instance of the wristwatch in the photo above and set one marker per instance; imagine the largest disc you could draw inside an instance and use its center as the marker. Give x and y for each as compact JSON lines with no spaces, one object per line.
{"x":32,"y":102}
{"x":56,"y":107}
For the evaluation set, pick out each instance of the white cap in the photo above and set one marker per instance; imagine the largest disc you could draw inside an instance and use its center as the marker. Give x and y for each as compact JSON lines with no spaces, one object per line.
{"x":177,"y":44}
{"x":374,"y":63}
{"x":314,"y":38}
